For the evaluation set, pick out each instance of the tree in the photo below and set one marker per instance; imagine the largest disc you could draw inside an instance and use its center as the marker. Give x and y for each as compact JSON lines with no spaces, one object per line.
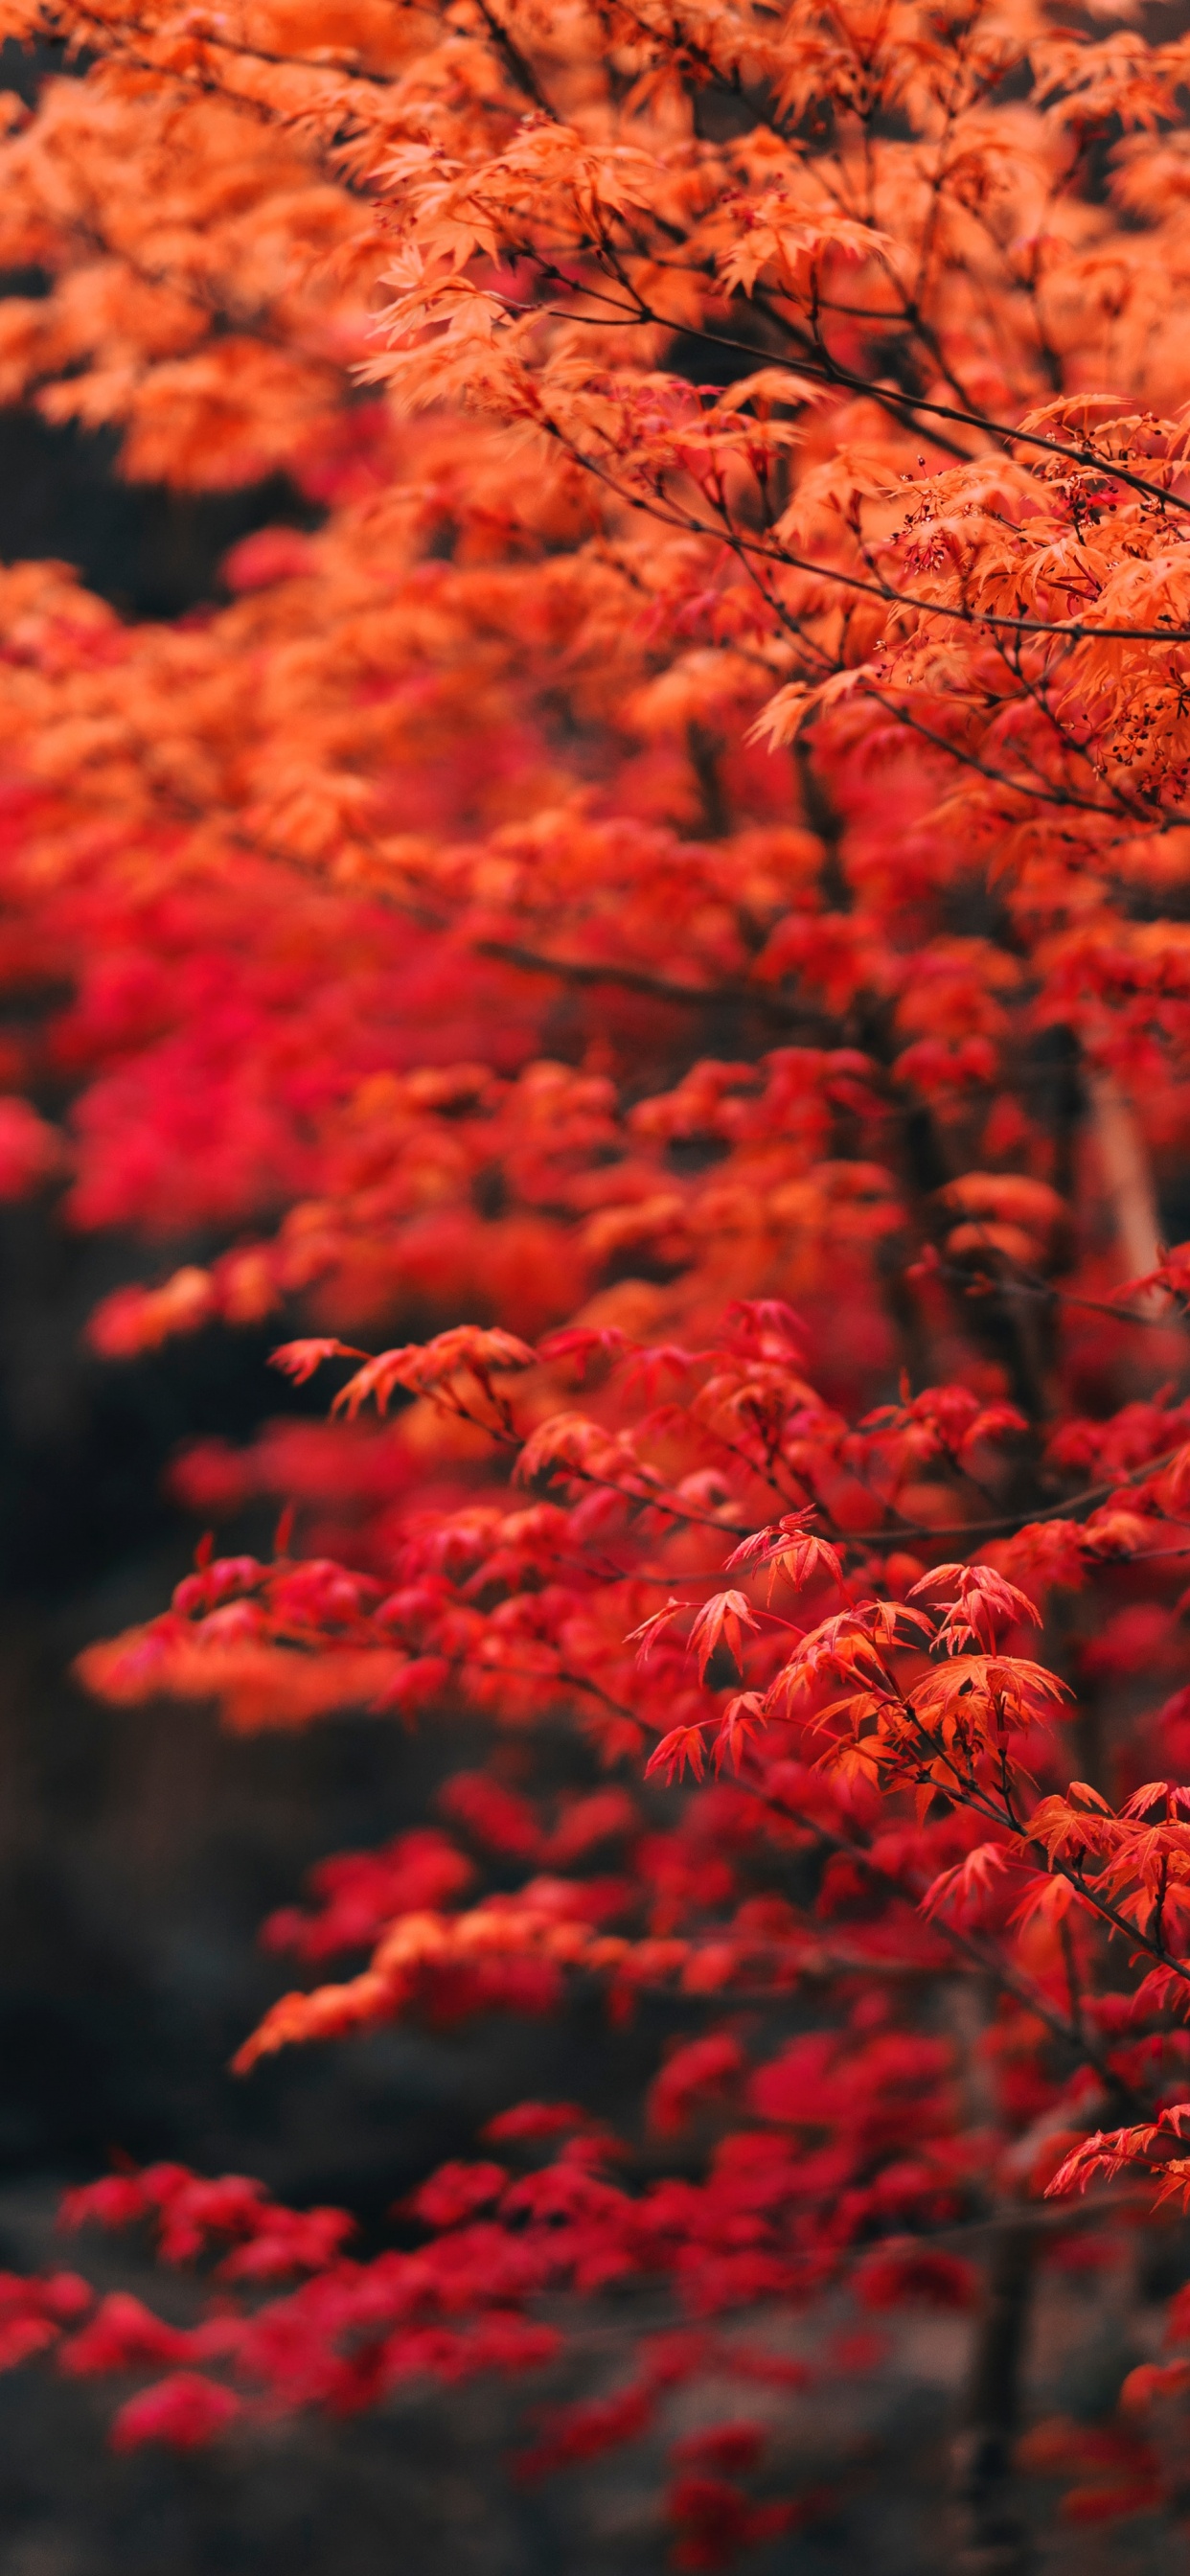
{"x":671,"y":898}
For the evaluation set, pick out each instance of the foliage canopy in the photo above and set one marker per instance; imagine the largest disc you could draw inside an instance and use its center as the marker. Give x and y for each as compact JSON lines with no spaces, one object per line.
{"x":660,"y":933}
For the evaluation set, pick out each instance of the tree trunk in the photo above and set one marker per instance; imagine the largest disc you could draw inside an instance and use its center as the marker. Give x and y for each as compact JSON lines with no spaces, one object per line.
{"x":990,"y":2537}
{"x":1127,"y":1175}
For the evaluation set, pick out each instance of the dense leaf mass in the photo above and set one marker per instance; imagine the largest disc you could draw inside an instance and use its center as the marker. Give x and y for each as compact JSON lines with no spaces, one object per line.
{"x":656,"y":941}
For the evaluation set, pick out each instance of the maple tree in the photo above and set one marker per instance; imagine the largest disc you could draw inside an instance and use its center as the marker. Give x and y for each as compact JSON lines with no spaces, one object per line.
{"x":657,"y":937}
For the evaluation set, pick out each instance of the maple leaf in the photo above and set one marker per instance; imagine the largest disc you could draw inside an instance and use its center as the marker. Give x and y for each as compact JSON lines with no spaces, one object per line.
{"x":683,"y":1745}
{"x":966,"y":1882}
{"x":582,"y":1342}
{"x":986,"y":1602}
{"x":721,"y":1622}
{"x":788,"y":1547}
{"x":377,"y":1382}
{"x":651,"y":1629}
{"x":301,"y":1360}
{"x":1049,"y":1900}
{"x":743,"y":1717}
{"x":1171,"y":1796}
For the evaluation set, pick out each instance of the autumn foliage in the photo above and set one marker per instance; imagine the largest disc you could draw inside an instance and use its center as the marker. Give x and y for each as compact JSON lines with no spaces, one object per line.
{"x":654,"y":942}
